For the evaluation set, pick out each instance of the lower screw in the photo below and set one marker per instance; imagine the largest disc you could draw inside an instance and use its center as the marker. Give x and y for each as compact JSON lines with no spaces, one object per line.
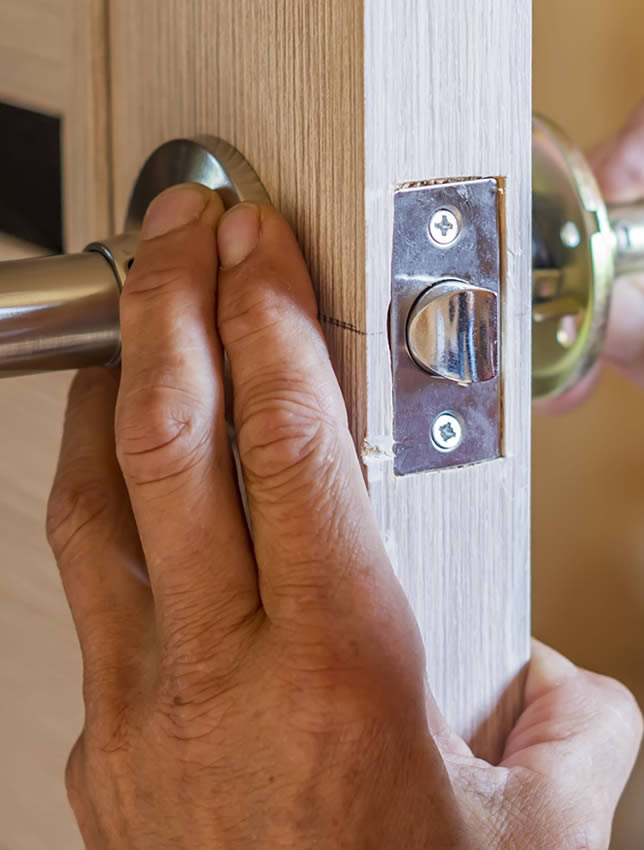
{"x":447,"y":431}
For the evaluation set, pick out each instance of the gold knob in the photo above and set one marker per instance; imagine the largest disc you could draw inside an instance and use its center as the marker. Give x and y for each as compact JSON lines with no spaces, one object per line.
{"x":579,"y":246}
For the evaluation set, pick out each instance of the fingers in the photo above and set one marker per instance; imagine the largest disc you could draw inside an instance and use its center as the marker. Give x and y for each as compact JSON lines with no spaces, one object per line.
{"x":619,"y":166}
{"x":624,"y":345}
{"x":94,"y":538}
{"x":576,"y":724}
{"x":171,"y":431}
{"x":311,"y":517}
{"x":619,"y":162}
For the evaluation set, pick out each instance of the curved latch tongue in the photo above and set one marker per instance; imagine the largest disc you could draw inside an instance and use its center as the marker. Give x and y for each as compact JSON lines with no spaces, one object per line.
{"x":452,"y":332}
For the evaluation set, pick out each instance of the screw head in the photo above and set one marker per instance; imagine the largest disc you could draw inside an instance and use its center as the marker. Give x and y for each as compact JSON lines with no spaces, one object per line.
{"x":447,"y":431}
{"x":445,"y":226}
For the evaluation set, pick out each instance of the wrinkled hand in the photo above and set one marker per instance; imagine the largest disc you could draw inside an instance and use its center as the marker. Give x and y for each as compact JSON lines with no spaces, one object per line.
{"x":619,"y":167}
{"x":271,"y":693}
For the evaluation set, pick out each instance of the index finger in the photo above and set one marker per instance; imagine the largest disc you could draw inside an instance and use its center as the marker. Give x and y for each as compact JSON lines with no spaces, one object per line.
{"x":172,"y":438}
{"x":619,"y":167}
{"x":618,"y":162}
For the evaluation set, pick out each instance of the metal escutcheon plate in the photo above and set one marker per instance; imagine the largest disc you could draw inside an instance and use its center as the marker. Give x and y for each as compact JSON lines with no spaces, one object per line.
{"x":205,"y":159}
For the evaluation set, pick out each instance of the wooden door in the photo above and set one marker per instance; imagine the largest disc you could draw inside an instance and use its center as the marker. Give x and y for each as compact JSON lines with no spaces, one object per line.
{"x":336,"y":103}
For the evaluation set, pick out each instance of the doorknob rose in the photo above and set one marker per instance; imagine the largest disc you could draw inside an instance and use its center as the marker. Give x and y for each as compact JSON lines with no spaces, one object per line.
{"x":579,"y":246}
{"x":452,"y":332}
{"x":63,"y":312}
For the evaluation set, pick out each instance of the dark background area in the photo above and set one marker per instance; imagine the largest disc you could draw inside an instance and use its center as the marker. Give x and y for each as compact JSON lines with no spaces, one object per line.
{"x":31,"y":177}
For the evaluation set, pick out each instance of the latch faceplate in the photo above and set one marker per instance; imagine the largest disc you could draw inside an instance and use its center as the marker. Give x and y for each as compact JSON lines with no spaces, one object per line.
{"x":445,"y":320}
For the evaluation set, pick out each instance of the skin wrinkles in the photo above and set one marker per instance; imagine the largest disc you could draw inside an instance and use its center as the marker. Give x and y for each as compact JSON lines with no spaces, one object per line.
{"x":270,"y":691}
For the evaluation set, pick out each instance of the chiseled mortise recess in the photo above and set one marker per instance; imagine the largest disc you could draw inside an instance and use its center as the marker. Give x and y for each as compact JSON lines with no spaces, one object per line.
{"x":446,"y":300}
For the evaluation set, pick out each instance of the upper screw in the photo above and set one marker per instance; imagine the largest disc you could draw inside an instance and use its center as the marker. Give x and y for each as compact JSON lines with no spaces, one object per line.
{"x":444,"y":226}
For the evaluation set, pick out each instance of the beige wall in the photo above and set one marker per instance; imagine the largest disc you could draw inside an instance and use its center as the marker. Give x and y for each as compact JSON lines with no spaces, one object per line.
{"x":588,"y":471}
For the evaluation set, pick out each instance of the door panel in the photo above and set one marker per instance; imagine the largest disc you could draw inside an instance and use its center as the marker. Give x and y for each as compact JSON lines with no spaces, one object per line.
{"x":335,"y":103}
{"x":53,"y":59}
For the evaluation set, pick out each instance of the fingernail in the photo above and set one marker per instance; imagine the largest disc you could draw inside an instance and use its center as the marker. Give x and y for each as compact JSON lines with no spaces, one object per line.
{"x":174,"y":208}
{"x":238,"y":234}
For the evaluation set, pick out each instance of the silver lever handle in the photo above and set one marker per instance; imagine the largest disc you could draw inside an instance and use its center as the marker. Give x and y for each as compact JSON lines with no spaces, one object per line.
{"x":63,"y":312}
{"x":627,"y":223}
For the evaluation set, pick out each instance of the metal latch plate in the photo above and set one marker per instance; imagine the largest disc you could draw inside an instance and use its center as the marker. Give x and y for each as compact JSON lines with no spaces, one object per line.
{"x":469,"y":416}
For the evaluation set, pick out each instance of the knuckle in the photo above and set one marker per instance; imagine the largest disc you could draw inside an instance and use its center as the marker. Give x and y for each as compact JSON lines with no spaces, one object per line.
{"x":198,"y":639}
{"x":339,"y":700}
{"x":283,"y":432}
{"x":161,"y":432}
{"x":152,"y":282}
{"x":247,"y":311}
{"x":190,"y":703}
{"x":74,"y":784}
{"x":76,"y":505}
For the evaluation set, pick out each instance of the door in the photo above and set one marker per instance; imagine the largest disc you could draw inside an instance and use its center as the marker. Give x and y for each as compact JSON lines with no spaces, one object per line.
{"x":337,"y":105}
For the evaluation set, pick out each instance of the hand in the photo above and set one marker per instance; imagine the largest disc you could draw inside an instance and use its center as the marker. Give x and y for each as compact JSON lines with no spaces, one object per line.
{"x":619,"y":167}
{"x":271,"y":693}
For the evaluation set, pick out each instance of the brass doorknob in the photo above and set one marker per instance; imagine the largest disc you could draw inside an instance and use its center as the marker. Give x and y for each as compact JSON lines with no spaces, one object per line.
{"x":580,"y":245}
{"x":63,"y":312}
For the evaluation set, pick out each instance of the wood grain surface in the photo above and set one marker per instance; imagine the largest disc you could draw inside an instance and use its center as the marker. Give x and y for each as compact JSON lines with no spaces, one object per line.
{"x":53,"y":58}
{"x":334,"y":103}
{"x":33,"y":53}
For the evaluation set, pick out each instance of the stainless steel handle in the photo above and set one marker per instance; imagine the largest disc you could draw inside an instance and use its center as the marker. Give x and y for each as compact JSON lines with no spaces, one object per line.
{"x":627,"y":223}
{"x":63,"y":312}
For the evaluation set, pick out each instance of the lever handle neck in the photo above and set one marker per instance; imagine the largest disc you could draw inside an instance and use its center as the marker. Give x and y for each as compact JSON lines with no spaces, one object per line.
{"x":63,"y":312}
{"x":627,"y":222}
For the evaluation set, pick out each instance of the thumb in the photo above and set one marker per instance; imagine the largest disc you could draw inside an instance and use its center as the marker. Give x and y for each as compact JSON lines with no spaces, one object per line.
{"x":624,"y":345}
{"x":576,"y":724}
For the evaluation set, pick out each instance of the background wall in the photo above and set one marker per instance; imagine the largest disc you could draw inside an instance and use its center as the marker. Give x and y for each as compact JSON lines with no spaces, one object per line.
{"x":40,"y":713}
{"x":588,"y":469}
